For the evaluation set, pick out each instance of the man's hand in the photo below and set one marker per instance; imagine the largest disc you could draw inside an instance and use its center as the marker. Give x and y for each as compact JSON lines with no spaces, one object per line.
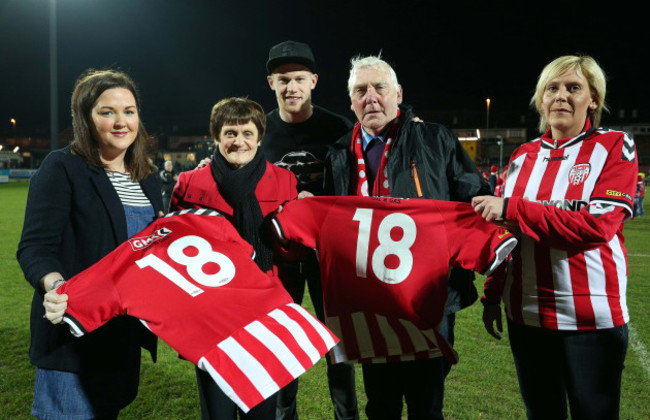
{"x":202,"y":163}
{"x":489,"y":207}
{"x":492,"y":315}
{"x":304,"y":194}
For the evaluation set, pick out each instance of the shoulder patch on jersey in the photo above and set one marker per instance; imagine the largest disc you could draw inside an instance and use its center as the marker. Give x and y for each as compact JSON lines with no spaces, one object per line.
{"x":202,"y":212}
{"x":579,"y":173}
{"x":628,"y":148}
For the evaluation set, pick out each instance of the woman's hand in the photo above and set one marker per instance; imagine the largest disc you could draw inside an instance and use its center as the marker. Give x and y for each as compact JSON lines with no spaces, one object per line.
{"x":489,"y":207}
{"x":55,"y":306}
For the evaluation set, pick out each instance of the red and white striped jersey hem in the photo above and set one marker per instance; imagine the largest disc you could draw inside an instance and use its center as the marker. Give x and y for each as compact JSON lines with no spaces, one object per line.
{"x":289,"y":340}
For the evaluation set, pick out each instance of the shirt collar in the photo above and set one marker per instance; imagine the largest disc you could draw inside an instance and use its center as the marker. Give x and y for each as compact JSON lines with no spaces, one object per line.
{"x":366,"y":138}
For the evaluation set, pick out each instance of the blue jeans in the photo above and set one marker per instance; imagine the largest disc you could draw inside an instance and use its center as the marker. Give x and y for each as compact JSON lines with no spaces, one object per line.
{"x":583,"y":366}
{"x":62,"y":395}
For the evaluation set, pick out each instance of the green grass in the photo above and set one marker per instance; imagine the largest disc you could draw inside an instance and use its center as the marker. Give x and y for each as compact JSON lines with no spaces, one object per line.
{"x":482,"y":386}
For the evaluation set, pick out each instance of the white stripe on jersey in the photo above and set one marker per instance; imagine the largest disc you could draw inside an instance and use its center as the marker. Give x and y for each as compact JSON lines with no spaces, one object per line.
{"x":529,"y":301}
{"x":597,"y":289}
{"x":514,"y":170}
{"x":417,"y":338}
{"x":621,"y":269}
{"x":320,"y":329}
{"x":362,"y":333}
{"x":563,"y":290}
{"x":597,"y":160}
{"x":628,"y":148}
{"x":337,"y":352}
{"x":390,"y":337}
{"x":205,"y":365}
{"x":297,"y":332}
{"x":250,"y":367}
{"x":536,"y":176}
{"x":364,"y":339}
{"x":501,"y":254}
{"x":561,"y":183}
{"x":277,"y":347}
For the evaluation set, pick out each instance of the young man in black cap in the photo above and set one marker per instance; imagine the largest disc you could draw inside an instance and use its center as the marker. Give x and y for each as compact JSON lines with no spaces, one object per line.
{"x":297,"y":131}
{"x":298,"y":134}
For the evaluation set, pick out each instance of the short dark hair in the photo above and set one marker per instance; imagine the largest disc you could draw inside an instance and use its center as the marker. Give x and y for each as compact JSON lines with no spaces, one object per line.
{"x":87,"y":89}
{"x":237,"y":111}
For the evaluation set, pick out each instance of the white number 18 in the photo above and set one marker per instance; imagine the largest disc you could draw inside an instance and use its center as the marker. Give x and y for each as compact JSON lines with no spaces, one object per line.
{"x":194,"y":264}
{"x":387,"y":246}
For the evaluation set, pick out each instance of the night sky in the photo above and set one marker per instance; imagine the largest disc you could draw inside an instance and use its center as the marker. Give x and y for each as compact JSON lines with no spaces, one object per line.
{"x":186,"y":55}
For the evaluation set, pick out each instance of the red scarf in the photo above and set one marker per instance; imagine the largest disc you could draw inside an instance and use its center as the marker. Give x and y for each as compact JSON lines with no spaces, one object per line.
{"x":381,"y":187}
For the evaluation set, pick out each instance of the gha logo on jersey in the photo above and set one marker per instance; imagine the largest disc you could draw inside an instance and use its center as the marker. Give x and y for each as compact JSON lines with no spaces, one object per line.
{"x":144,"y":242}
{"x":579,"y":173}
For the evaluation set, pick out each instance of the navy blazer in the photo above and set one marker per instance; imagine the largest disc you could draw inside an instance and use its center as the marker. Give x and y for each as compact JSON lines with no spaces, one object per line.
{"x":73,"y":218}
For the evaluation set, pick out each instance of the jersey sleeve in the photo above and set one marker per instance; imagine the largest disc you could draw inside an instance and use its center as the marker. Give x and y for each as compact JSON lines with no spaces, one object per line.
{"x":92,"y":296}
{"x":564,"y":229}
{"x":494,"y":284}
{"x":300,"y":220}
{"x":616,"y":185}
{"x":474,"y":244}
{"x":610,"y":203}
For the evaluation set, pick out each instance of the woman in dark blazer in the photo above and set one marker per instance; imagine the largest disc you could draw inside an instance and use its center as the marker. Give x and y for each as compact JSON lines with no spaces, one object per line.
{"x":84,"y":201}
{"x":245,"y":188}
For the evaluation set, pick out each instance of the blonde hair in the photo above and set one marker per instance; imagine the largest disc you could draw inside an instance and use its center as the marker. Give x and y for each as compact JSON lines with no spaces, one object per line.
{"x":586,"y":66}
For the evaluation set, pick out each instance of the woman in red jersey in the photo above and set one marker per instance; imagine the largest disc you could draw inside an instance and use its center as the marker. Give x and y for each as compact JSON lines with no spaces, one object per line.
{"x":568,"y":193}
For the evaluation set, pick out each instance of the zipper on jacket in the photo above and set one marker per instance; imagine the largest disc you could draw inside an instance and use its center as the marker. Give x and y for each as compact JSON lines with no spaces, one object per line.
{"x":414,"y":171}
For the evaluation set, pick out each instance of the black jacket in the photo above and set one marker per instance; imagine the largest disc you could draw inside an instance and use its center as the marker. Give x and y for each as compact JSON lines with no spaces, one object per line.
{"x":444,"y":171}
{"x":74,"y":218}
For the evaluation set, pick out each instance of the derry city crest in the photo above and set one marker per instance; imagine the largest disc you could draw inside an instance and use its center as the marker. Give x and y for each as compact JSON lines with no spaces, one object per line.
{"x":579,"y":173}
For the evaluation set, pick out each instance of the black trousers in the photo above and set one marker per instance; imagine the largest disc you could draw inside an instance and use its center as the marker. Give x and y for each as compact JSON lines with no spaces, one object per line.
{"x":215,"y":405}
{"x":340,"y":376}
{"x":419,"y":382}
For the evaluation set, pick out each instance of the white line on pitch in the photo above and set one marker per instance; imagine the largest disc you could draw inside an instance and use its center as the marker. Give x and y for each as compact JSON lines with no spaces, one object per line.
{"x":639,"y":348}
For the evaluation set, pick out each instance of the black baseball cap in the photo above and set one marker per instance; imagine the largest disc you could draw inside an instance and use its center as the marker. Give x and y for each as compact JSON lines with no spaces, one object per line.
{"x":290,"y":52}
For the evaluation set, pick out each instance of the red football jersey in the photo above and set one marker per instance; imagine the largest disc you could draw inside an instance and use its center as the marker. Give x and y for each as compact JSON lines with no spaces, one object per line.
{"x":384,"y":267}
{"x":189,"y":277}
{"x":570,"y":198}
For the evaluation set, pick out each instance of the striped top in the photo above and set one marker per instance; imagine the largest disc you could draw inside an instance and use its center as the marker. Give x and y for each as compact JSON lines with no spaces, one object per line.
{"x":130,"y":192}
{"x":570,"y":198}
